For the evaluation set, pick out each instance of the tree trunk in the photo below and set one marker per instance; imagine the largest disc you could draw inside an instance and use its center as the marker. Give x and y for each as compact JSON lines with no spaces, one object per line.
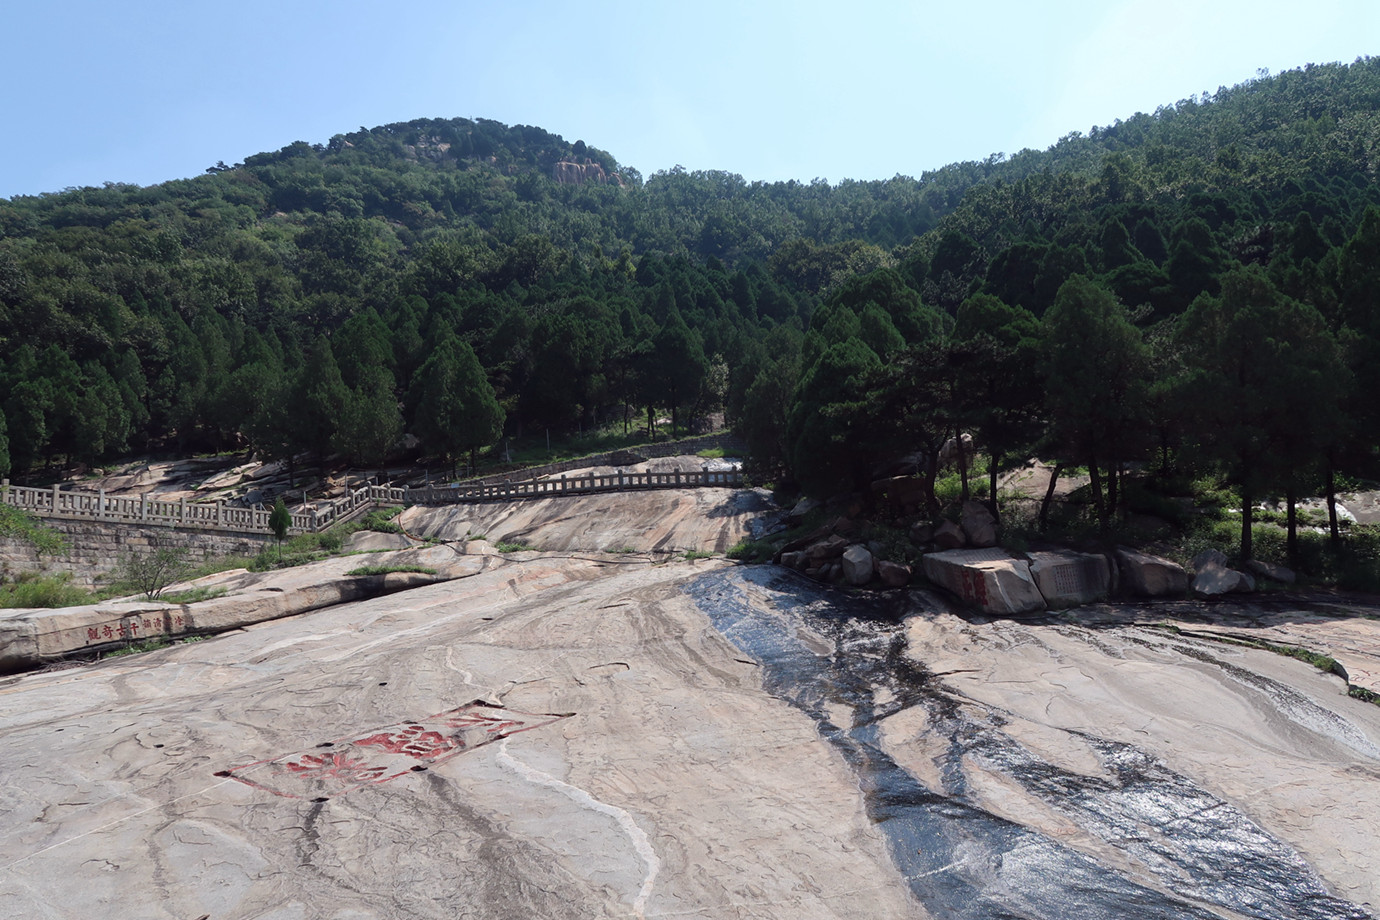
{"x":1247,"y":511}
{"x":1113,"y":490}
{"x":992,"y":484}
{"x":1334,"y":533}
{"x":962,"y":464}
{"x":931,"y":474}
{"x":1291,"y":541}
{"x":1049,"y":495}
{"x":1095,"y":475}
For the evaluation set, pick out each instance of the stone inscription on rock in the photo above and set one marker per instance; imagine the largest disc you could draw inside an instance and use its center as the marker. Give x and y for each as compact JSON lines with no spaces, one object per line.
{"x":336,"y":767}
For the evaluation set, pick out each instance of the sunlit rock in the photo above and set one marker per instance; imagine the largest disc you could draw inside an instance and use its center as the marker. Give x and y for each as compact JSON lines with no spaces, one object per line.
{"x":989,"y":579}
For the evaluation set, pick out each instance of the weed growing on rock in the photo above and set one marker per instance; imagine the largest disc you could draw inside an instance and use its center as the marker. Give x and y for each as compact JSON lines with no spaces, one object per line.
{"x":386,"y":569}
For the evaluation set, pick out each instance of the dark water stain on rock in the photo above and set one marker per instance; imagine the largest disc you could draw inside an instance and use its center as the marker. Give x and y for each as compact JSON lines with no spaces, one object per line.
{"x":1202,"y":857}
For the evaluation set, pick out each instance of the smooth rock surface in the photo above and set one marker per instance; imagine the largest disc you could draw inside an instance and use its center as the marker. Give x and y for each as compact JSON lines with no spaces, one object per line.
{"x":666,"y":520}
{"x":1268,"y":736}
{"x":641,"y":770}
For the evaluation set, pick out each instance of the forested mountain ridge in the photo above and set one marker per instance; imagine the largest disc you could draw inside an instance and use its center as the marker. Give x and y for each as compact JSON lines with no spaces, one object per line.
{"x":453,"y":278}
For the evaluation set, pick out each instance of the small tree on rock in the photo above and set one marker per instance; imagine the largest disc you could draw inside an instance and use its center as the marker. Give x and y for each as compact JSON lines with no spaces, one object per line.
{"x":279,"y":520}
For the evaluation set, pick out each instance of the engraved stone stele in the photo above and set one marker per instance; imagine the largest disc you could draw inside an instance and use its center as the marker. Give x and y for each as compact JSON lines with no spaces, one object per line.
{"x":1067,"y":579}
{"x":989,"y":579}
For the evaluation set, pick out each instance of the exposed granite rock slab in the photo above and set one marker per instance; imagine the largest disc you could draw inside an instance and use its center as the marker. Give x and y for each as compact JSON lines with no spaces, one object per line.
{"x":989,"y":579}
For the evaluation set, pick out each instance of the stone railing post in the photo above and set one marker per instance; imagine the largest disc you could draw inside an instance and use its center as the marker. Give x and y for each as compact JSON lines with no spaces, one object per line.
{"x":57,"y":496}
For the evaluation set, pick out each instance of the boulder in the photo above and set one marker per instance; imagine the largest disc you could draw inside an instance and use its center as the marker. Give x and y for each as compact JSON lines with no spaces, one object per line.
{"x":1209,"y":557}
{"x":1067,"y":579}
{"x":830,"y":547}
{"x":921,"y":533}
{"x":979,"y":526}
{"x":989,"y":579}
{"x":901,"y":491}
{"x":795,"y":560}
{"x":857,"y":565}
{"x":893,"y":574}
{"x":1214,"y":580}
{"x":949,"y":535}
{"x":948,"y":454}
{"x":801,"y":509}
{"x":1273,"y":572}
{"x":1151,"y":576}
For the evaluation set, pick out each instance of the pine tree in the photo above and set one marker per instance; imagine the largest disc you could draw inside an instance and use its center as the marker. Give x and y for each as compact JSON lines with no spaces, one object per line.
{"x":456,"y":409}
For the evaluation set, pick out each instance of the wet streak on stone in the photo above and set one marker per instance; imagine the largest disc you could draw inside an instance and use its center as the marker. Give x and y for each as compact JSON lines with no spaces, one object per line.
{"x":965,"y":863}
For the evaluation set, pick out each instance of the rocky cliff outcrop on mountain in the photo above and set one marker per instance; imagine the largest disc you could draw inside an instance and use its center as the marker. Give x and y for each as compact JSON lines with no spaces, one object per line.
{"x":569,"y":172}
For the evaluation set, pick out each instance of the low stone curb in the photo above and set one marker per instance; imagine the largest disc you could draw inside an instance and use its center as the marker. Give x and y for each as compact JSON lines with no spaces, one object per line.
{"x":34,"y":637}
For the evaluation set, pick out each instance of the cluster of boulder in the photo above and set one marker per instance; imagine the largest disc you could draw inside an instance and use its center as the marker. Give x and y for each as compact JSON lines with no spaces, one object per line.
{"x":1213,"y":577}
{"x":963,"y":558}
{"x":833,"y":552}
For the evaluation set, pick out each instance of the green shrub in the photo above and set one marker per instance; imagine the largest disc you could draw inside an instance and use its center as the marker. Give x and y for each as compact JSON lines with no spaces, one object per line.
{"x":752,"y":551}
{"x":32,"y":589}
{"x":514,"y":547}
{"x":380,"y":520}
{"x":386,"y":569}
{"x":24,"y":526}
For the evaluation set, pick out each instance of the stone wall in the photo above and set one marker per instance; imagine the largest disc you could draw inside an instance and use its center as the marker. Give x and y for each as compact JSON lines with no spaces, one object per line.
{"x":94,"y":549}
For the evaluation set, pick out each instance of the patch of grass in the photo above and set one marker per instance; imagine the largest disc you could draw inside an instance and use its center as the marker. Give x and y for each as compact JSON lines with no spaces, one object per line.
{"x":1361,"y":693}
{"x":34,"y":589}
{"x":948,"y":488}
{"x":692,"y":554}
{"x":756,"y":551}
{"x":711,"y":453}
{"x":380,"y":520}
{"x":22,"y":525}
{"x":621,"y":550}
{"x":134,"y":648}
{"x":386,"y":569}
{"x":514,"y":547}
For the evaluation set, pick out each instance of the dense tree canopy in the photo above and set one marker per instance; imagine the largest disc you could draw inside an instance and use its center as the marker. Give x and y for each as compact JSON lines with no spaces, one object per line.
{"x":459,"y":279}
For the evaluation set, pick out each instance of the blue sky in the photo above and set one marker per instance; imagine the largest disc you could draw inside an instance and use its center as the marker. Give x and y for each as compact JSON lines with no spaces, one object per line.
{"x":147,"y":91}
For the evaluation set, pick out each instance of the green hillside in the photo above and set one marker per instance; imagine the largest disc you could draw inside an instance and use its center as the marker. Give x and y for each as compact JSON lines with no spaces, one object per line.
{"x":325,"y":298}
